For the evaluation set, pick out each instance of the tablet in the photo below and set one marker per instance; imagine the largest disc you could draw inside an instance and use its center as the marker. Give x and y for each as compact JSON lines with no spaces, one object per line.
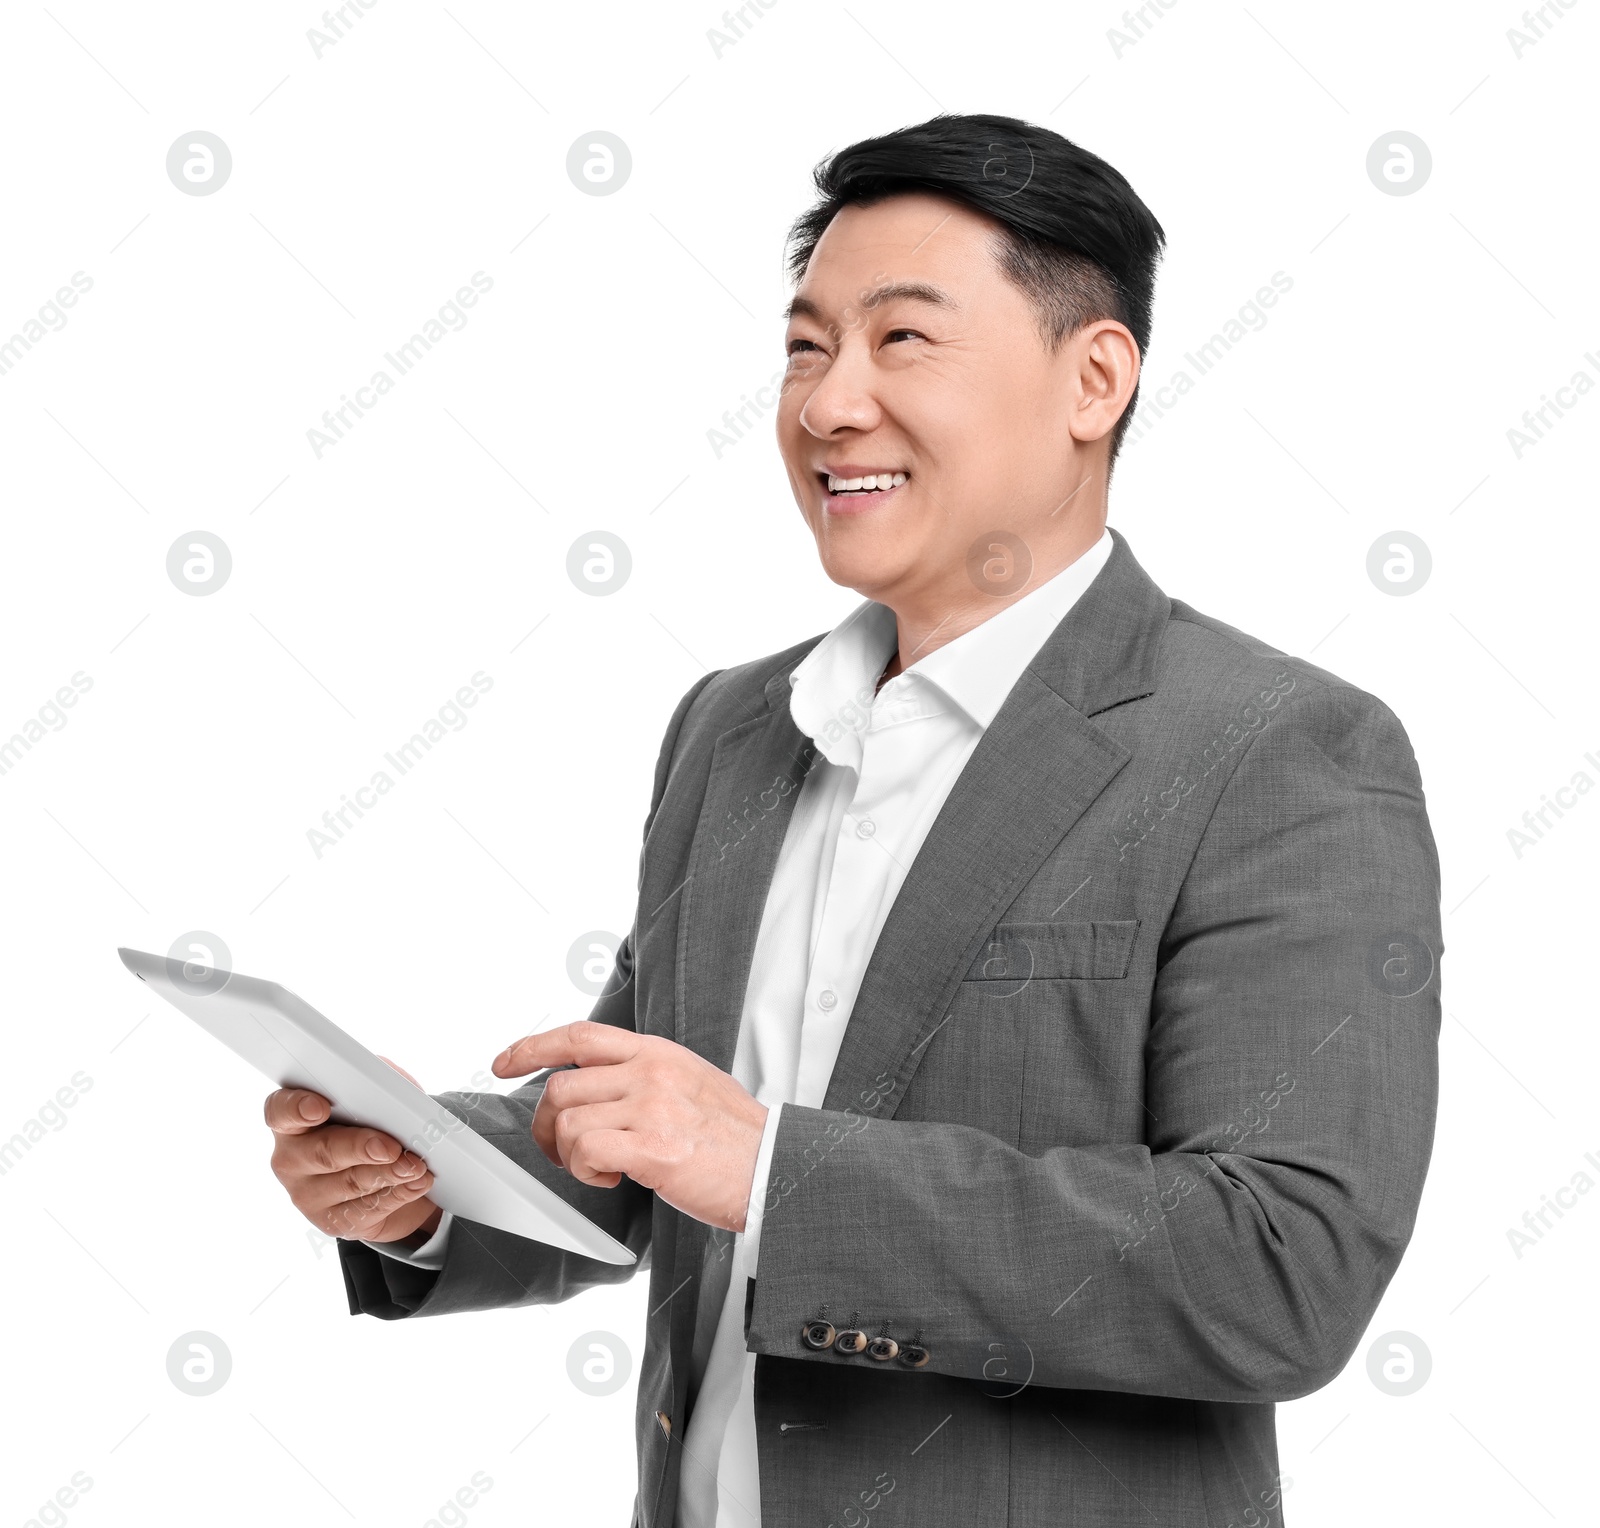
{"x":286,"y":1039}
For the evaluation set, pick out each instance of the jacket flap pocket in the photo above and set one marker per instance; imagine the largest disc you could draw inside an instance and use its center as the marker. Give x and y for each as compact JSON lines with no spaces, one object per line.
{"x":1016,"y":952}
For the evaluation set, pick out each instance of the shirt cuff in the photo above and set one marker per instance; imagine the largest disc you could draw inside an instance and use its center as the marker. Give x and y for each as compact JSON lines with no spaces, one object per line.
{"x":429,"y":1255}
{"x":758,"y":1192}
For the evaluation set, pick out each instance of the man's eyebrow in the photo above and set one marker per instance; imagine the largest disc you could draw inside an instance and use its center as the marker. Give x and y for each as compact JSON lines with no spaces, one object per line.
{"x":908,"y":291}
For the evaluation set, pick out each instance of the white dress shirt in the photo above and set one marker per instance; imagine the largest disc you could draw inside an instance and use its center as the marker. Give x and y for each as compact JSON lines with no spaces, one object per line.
{"x":887,"y":762}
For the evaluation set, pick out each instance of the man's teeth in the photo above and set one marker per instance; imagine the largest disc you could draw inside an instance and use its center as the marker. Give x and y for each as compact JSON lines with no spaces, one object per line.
{"x":869,"y":484}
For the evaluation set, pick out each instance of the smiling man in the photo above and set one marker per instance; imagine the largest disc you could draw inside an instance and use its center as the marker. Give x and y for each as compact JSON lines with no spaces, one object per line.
{"x":1021,"y":1068}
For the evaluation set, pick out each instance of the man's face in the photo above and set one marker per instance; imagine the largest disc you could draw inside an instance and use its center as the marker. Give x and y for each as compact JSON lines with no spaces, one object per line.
{"x":943,"y":389}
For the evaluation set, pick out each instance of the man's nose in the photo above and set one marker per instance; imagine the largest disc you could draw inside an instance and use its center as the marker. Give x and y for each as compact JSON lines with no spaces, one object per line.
{"x":846,"y":397}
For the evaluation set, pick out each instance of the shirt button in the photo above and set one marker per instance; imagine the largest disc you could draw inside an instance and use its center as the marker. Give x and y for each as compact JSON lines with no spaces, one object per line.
{"x":827,"y":1000}
{"x":866,"y":828}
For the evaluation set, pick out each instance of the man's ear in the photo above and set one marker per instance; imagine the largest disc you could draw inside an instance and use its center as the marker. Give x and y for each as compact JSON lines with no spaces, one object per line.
{"x":1105,"y":357}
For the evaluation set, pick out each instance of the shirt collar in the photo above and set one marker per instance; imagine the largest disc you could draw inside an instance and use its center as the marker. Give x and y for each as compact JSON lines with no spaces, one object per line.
{"x":979,"y":668}
{"x":832,"y":687}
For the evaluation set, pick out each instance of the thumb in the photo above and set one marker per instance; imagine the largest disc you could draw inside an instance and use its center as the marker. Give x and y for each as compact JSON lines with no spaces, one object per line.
{"x":402,"y":1071}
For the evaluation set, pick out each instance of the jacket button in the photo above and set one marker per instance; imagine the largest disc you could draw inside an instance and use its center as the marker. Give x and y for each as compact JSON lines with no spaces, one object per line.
{"x":882,"y":1348}
{"x":852,"y":1340}
{"x":914,"y":1356}
{"x":817,"y":1335}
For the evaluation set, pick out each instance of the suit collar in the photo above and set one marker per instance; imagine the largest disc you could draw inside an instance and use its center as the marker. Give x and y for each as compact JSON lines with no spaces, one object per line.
{"x":1108,"y":648}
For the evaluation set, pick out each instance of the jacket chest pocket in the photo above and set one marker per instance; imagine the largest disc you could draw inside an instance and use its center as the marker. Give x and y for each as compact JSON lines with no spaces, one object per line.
{"x":1084,"y":950}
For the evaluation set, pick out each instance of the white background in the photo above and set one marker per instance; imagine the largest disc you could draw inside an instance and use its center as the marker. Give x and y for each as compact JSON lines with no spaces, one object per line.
{"x":371,"y":182}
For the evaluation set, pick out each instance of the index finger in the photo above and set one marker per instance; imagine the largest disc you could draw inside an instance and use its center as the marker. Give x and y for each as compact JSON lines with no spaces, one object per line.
{"x":293,"y":1111}
{"x":584,"y":1043}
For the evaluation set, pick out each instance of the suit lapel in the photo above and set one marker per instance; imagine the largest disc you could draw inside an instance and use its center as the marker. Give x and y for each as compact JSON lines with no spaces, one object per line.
{"x":1037,"y":769}
{"x":757,"y":768}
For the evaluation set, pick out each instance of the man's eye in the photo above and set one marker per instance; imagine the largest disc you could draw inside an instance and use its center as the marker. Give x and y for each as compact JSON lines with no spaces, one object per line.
{"x":894,"y":332}
{"x":795,"y":346}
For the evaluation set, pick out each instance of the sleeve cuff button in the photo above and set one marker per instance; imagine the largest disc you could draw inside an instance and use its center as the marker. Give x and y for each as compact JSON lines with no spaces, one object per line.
{"x":817,"y":1335}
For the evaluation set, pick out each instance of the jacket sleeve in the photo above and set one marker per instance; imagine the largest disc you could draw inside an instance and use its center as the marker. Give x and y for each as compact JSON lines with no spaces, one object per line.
{"x":486,"y":1268}
{"x":1239,"y":1252}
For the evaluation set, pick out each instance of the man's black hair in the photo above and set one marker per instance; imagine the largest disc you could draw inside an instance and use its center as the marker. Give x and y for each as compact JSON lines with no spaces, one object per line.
{"x":1077,"y":239}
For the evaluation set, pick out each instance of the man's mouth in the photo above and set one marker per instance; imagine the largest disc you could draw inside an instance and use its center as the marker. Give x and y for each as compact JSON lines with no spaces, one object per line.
{"x":864,"y":485}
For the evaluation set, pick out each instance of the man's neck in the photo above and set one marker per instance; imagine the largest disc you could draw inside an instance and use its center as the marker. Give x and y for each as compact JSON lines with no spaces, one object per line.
{"x":922,"y":627}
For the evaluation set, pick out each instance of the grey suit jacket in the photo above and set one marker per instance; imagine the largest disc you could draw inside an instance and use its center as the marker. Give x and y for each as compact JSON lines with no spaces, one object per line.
{"x":1130,"y":1121}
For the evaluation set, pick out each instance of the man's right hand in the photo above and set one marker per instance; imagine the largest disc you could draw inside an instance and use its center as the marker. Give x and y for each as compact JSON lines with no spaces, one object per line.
{"x":347,"y":1180}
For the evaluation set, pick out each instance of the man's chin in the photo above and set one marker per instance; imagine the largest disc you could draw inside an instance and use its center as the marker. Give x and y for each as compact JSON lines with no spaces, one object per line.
{"x":873,"y":566}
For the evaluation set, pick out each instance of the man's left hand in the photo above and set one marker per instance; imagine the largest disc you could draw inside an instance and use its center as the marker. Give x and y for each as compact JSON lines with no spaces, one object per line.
{"x":644,"y":1106}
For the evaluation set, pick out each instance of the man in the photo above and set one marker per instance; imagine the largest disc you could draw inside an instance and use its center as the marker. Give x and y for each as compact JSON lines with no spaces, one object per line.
{"x":1021,"y":1069}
